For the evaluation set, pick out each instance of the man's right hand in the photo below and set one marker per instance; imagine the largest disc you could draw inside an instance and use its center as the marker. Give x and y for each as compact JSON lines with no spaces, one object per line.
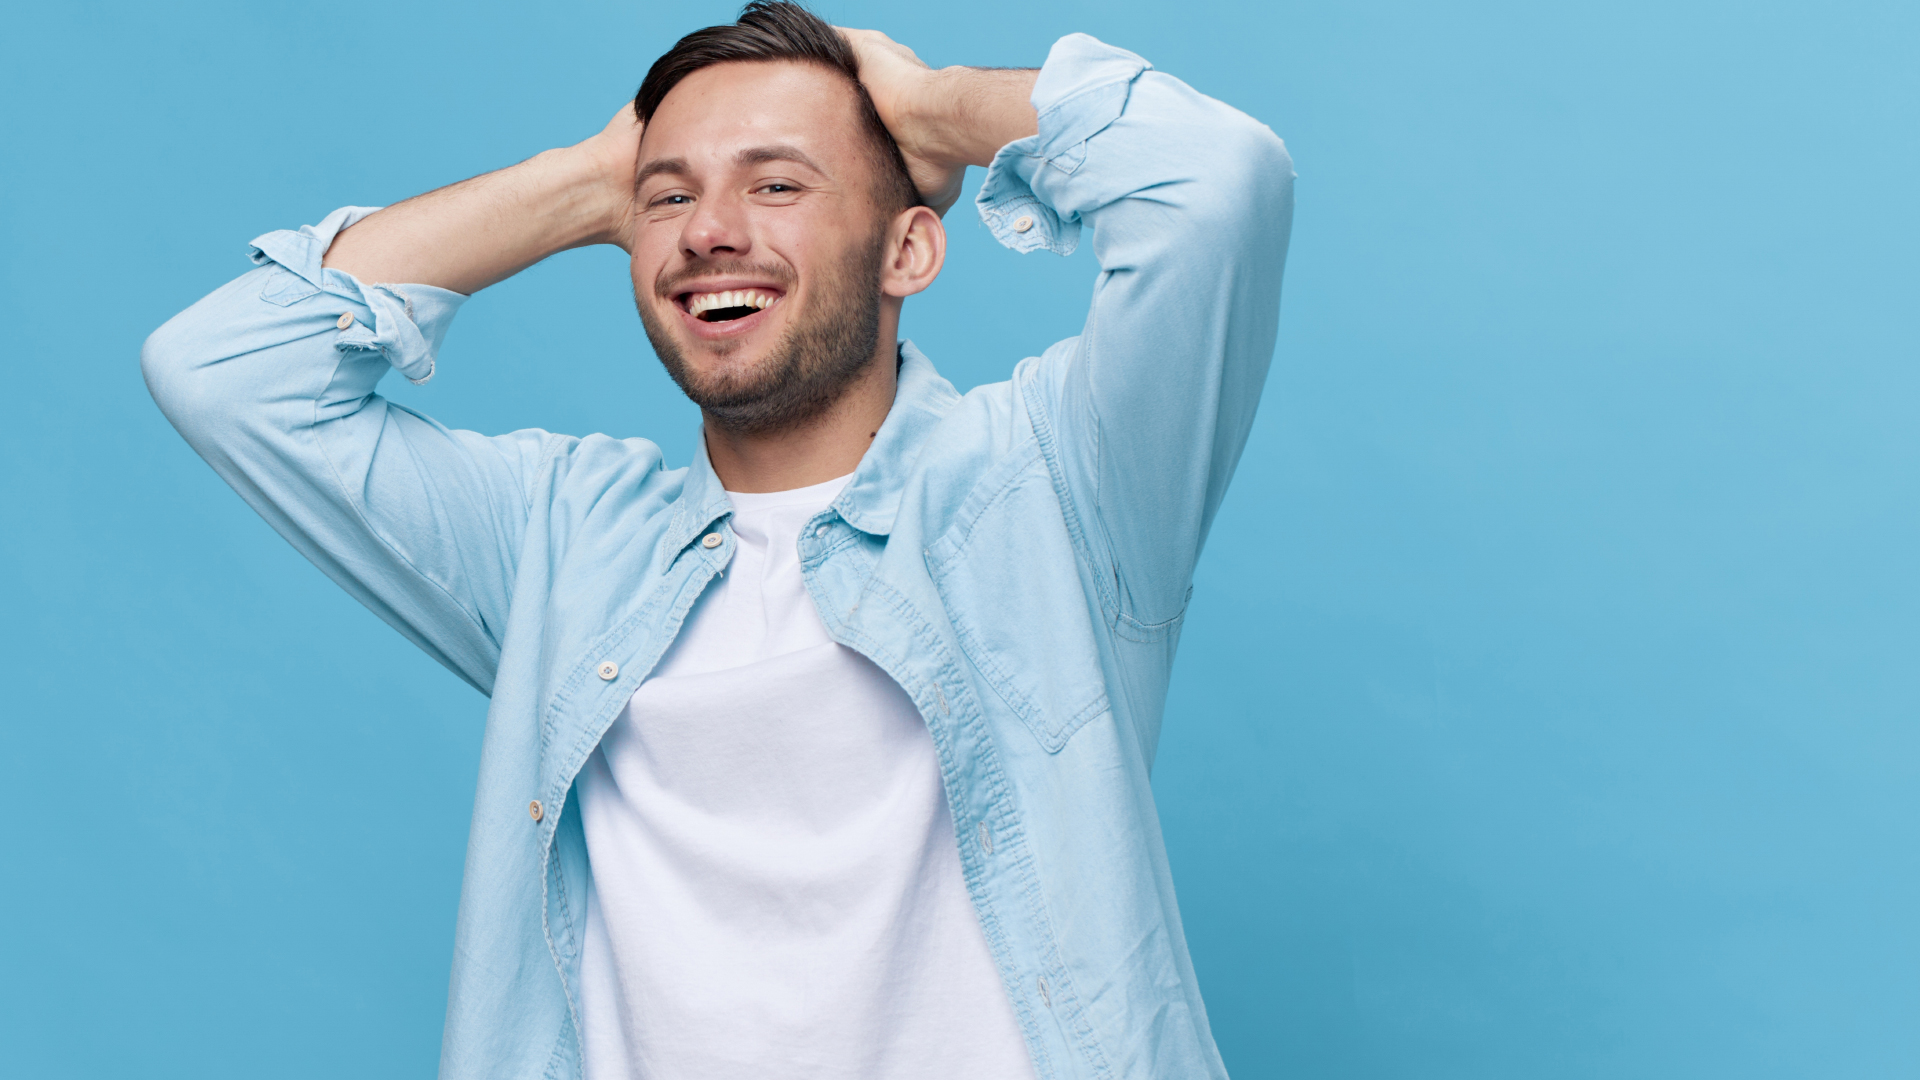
{"x":616,"y":150}
{"x":469,"y":235}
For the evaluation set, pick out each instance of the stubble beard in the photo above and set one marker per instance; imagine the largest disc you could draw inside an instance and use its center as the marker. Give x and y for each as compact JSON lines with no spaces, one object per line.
{"x":822,"y":352}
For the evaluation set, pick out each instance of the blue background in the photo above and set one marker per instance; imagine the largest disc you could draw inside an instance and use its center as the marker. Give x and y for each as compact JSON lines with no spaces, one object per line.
{"x":1550,"y":703}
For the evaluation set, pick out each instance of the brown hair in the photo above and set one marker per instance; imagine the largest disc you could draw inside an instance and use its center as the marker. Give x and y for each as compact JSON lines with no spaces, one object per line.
{"x":784,"y":30}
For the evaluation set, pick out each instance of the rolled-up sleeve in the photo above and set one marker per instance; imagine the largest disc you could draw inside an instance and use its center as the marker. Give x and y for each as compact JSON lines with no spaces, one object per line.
{"x":272,"y":378}
{"x":405,"y":324}
{"x":1190,"y":202}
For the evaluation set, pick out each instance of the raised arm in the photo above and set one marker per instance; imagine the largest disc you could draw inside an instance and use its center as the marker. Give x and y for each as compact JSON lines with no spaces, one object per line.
{"x":469,"y":235}
{"x":272,"y":378}
{"x":1144,"y":414}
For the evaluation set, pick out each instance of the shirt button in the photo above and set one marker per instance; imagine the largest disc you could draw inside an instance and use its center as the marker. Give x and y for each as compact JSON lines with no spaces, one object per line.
{"x":1022,"y":223}
{"x":609,"y":669}
{"x":710,"y":541}
{"x":345,"y":321}
{"x":534,"y":811}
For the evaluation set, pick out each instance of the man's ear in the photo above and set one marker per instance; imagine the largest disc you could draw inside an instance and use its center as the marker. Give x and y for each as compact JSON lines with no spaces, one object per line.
{"x":916,"y":250}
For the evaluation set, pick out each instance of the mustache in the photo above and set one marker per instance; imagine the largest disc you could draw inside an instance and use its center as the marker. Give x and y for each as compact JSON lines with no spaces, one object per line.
{"x":675,"y":283}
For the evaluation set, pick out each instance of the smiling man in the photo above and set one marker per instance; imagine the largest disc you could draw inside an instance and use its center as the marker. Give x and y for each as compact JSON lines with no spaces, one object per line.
{"x":827,"y":755}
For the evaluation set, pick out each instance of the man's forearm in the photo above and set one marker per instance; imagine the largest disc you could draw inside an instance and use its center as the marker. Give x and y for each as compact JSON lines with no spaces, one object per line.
{"x":469,"y":235}
{"x":967,"y":114}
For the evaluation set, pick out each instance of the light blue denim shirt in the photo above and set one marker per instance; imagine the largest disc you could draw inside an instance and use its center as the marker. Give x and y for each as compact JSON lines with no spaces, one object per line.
{"x":1018,"y":558}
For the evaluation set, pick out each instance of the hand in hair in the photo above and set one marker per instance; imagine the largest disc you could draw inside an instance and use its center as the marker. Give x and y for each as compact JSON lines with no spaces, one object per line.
{"x":942,"y":120}
{"x":616,"y":148}
{"x":468,"y":235}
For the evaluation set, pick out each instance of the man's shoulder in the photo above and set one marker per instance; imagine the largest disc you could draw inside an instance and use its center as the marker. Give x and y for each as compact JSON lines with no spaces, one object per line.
{"x":583,"y":475}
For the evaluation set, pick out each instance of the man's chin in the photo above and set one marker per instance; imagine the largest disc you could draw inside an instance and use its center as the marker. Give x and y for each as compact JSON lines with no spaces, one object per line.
{"x":724,"y":376}
{"x":738,"y":363}
{"x":729,"y":389}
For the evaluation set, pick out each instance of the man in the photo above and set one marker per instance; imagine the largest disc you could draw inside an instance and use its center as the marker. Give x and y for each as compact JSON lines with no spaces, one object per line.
{"x":828,"y":755}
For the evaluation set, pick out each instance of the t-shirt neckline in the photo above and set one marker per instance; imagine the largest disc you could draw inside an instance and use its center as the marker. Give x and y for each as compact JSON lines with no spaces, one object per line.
{"x":811,"y":495}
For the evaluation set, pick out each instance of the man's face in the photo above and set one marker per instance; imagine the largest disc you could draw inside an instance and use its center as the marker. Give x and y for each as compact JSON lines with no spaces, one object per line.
{"x":757,"y":243}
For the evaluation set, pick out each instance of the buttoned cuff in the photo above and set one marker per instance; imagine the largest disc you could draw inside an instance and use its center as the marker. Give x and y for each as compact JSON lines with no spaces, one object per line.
{"x":404,"y":323}
{"x":1082,"y":88}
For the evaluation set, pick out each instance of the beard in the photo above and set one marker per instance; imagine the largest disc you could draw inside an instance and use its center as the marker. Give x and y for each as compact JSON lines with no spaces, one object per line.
{"x":823,"y":350}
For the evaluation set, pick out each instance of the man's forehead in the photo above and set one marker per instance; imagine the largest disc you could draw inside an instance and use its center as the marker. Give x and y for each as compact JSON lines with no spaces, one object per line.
{"x":722,"y":110}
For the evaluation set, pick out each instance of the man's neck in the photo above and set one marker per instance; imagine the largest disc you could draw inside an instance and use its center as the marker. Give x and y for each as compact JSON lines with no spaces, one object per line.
{"x":827,"y":446}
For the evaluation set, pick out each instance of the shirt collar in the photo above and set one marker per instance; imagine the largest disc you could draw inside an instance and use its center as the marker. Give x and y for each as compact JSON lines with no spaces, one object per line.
{"x":920,"y":400}
{"x":872,"y":498}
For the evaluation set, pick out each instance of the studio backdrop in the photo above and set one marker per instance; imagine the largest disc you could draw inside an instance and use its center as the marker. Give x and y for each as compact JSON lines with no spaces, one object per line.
{"x":1549,"y":702}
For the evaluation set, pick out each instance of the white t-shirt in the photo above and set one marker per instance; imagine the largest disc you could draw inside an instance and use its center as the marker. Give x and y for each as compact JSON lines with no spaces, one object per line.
{"x":775,"y":887}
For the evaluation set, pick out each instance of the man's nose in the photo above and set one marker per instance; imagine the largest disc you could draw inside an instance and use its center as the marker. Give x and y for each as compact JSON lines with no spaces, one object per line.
{"x":718,"y":226}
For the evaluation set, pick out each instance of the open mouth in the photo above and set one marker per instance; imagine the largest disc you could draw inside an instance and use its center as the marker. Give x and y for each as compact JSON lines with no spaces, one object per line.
{"x":729,"y":305}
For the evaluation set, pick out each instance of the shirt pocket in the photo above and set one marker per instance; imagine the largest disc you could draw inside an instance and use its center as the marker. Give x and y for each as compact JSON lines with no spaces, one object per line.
{"x":286,"y":288}
{"x":1009,"y":581}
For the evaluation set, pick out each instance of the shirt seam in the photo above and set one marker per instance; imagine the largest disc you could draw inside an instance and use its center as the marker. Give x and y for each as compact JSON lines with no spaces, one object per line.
{"x":1042,"y":425}
{"x":1000,"y":800}
{"x":373,"y":530}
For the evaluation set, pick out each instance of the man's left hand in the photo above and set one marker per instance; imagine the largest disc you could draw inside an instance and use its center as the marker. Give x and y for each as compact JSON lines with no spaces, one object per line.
{"x":942,"y":120}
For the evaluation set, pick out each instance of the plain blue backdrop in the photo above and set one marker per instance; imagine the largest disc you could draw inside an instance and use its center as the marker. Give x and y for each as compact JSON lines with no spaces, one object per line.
{"x":1550,"y":703}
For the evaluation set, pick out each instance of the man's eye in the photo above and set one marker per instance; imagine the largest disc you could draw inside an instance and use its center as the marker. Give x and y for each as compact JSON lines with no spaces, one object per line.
{"x":777,"y":189}
{"x":672,"y":200}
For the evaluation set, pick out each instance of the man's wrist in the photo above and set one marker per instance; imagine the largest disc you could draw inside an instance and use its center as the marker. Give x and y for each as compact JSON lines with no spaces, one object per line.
{"x":591,"y":192}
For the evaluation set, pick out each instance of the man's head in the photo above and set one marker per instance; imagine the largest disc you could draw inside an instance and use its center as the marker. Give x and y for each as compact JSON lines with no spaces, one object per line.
{"x":776,"y":229}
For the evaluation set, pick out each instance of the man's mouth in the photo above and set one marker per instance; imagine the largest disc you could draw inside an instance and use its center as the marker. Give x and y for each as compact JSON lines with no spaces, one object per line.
{"x":727,"y":305}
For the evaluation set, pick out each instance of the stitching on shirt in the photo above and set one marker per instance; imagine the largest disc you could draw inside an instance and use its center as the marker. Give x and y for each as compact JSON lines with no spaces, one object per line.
{"x":1069,"y":508}
{"x":556,"y":1062}
{"x":549,"y":453}
{"x":551,"y":879}
{"x":958,"y":538}
{"x":1147,"y":633}
{"x":966,"y":711}
{"x":559,"y":878}
{"x":590,"y":737}
{"x":346,"y":494}
{"x":622,"y":688}
{"x":591,"y":654}
{"x":1055,"y":110}
{"x":1020,"y":854}
{"x":280,"y":290}
{"x":998,"y":678}
{"x":1100,"y":87}
{"x":1117,"y":612}
{"x":1052,"y":732}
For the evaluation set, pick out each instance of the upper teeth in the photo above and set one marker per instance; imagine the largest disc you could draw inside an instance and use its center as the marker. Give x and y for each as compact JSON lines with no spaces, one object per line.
{"x":753,"y":298}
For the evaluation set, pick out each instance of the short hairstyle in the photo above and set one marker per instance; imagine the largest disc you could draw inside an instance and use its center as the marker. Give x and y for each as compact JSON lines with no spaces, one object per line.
{"x":784,"y":30}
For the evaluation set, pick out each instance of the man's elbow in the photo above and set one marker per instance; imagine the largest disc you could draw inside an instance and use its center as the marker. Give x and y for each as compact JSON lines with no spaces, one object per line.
{"x":1240,"y":194}
{"x":165,"y":365}
{"x":175,"y":363}
{"x":1261,"y":172}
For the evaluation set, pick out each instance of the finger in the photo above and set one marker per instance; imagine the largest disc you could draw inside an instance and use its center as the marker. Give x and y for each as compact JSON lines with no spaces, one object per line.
{"x":625,"y":121}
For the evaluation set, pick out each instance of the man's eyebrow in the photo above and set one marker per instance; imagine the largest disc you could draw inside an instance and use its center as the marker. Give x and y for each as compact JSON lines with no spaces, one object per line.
{"x":654,"y":168}
{"x":754,"y":155}
{"x":760,"y":155}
